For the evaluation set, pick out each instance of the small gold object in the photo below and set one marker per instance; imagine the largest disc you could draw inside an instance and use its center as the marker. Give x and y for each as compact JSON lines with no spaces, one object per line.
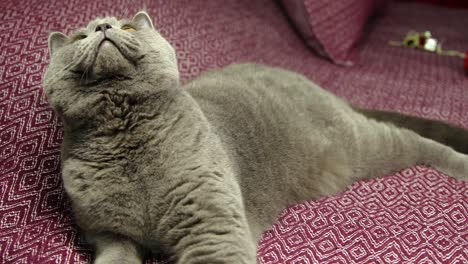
{"x":425,"y":41}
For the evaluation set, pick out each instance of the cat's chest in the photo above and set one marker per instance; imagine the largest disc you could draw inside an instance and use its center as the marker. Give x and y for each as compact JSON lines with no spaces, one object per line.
{"x":122,"y":158}
{"x":112,"y":175}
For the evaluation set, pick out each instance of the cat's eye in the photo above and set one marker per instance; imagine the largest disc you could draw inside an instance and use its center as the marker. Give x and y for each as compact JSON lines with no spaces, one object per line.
{"x":79,"y":37}
{"x":128,"y":28}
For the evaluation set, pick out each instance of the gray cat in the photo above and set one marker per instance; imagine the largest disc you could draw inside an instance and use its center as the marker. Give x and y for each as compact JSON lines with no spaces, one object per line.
{"x":200,"y":171}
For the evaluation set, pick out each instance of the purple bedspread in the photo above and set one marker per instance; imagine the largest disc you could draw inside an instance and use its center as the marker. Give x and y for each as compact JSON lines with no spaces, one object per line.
{"x":418,"y":215}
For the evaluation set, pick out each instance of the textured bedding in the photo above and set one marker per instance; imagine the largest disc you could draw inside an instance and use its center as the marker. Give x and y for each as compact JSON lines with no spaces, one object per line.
{"x":417,"y":215}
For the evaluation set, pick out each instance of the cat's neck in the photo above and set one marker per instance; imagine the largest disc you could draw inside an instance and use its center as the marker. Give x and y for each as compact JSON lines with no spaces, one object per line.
{"x":119,"y":109}
{"x":122,"y":124}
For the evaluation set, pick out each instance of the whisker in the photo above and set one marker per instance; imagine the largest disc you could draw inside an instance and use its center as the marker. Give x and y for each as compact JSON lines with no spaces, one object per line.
{"x":125,"y":13}
{"x":65,"y":68}
{"x":86,"y":73}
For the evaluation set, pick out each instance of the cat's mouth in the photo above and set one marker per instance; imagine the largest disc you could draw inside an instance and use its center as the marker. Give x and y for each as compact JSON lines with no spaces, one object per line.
{"x":127,"y":48}
{"x":110,"y":57}
{"x":108,"y":49}
{"x":106,"y":43}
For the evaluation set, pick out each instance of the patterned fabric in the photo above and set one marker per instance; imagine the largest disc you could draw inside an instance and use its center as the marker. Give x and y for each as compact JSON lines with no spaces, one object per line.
{"x":332,"y":28}
{"x":417,"y":215}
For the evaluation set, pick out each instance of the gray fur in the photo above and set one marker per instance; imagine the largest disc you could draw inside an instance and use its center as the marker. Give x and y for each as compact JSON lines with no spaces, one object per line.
{"x":200,"y":171}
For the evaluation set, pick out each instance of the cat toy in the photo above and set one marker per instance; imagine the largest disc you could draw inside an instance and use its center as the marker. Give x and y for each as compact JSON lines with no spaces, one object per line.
{"x":425,"y":41}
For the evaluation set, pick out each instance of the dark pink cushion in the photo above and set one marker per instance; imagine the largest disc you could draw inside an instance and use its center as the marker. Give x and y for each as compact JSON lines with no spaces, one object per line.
{"x":332,"y":28}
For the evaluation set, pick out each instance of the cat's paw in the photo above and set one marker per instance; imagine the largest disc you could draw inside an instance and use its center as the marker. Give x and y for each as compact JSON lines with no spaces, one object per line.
{"x":120,"y":260}
{"x":455,"y":165}
{"x":458,"y":166}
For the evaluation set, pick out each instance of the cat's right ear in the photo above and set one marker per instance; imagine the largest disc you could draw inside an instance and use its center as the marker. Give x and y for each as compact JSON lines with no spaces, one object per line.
{"x":56,"y":41}
{"x":143,"y":19}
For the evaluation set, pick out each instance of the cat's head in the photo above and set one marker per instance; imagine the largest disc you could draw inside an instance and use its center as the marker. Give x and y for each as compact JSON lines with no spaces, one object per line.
{"x":108,"y":54}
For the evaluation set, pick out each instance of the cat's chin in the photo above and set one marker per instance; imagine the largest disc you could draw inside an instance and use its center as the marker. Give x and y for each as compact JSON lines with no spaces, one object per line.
{"x":110,"y":61}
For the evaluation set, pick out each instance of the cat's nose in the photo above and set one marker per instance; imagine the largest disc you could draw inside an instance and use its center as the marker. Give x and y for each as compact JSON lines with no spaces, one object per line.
{"x":103,"y":27}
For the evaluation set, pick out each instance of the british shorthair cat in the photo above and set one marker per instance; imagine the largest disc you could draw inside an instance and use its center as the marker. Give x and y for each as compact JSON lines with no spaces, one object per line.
{"x":200,"y":171}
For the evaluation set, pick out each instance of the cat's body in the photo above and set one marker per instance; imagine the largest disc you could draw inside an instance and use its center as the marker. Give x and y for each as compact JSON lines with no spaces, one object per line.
{"x":200,"y":171}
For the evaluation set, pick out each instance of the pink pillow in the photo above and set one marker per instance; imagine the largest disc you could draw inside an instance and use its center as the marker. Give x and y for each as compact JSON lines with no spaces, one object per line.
{"x":332,"y":28}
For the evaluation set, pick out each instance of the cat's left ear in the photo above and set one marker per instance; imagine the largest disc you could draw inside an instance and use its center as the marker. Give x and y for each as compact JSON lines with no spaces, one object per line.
{"x":142,"y":18}
{"x":56,"y":41}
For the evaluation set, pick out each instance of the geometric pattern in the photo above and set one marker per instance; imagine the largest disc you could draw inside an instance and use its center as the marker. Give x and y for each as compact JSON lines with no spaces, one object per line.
{"x":417,"y":215}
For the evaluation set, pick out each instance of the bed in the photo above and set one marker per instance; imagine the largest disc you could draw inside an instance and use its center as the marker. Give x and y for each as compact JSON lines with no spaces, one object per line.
{"x":417,"y":215}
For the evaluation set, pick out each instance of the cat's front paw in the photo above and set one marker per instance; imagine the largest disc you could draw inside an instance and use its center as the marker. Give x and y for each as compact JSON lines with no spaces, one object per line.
{"x":117,"y":258}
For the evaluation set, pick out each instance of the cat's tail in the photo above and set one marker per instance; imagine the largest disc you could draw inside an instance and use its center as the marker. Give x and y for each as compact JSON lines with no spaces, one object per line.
{"x":444,"y":133}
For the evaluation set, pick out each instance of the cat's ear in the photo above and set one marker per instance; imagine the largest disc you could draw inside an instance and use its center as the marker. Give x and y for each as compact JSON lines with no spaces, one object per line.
{"x":142,"y":18}
{"x":56,"y":41}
